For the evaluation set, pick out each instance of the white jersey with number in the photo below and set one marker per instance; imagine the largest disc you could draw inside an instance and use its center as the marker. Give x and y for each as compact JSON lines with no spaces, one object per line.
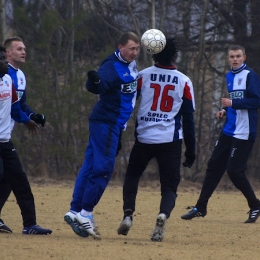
{"x":163,"y":90}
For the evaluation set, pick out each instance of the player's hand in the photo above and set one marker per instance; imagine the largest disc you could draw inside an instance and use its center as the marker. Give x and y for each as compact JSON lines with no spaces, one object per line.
{"x":39,"y":119}
{"x":93,"y":76}
{"x":226,"y":102}
{"x":190,"y":158}
{"x":32,"y":127}
{"x":221,"y":113}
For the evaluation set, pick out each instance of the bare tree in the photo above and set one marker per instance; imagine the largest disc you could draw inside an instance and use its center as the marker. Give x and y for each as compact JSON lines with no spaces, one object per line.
{"x":66,"y":38}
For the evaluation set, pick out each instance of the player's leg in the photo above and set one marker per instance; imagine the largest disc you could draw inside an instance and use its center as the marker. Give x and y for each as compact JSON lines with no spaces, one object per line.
{"x":1,"y":168}
{"x":140,"y":156}
{"x":217,"y":165}
{"x":79,"y":188}
{"x":168,"y":156}
{"x":5,"y":191}
{"x":22,"y":190}
{"x":104,"y":145}
{"x":169,"y":160}
{"x":18,"y":182}
{"x":82,"y":178}
{"x":104,"y":140}
{"x":237,"y":165}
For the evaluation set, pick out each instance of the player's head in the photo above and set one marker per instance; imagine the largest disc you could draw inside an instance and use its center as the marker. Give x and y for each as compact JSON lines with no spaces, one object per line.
{"x":3,"y":61}
{"x":129,"y":46}
{"x":236,"y":56}
{"x":169,"y":54}
{"x":15,"y":51}
{"x":236,"y":48}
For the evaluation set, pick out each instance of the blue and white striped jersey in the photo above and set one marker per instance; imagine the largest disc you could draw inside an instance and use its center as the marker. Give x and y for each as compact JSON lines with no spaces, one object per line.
{"x":243,"y":87}
{"x":19,"y":82}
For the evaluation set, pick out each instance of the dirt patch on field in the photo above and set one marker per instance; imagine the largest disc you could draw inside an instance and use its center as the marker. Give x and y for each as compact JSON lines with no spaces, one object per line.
{"x":220,"y":235}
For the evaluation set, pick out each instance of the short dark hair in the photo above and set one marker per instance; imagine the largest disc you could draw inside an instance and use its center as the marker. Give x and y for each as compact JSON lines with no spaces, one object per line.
{"x":2,"y":48}
{"x":125,"y":37}
{"x":169,"y":54}
{"x":8,"y":42}
{"x":236,"y":48}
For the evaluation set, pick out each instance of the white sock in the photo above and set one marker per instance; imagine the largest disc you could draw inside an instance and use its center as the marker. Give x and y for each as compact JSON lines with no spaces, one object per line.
{"x":85,"y":213}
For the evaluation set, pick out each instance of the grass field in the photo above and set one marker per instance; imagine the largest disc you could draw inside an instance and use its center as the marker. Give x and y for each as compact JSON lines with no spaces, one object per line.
{"x":220,"y":235}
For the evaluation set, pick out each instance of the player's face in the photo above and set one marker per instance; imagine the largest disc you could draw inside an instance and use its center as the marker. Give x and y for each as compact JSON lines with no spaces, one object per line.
{"x":129,"y":51}
{"x":236,"y":58}
{"x":16,"y":54}
{"x":3,"y":63}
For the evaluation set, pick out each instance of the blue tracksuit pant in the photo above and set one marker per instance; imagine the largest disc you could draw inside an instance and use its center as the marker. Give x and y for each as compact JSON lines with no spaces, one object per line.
{"x":98,"y":166}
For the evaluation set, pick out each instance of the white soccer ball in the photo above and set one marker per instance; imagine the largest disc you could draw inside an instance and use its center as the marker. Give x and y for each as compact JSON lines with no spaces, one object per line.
{"x":153,"y":41}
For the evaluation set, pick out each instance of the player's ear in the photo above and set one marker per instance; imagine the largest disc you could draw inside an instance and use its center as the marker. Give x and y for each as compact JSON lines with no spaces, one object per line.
{"x":7,"y":51}
{"x":174,"y":58}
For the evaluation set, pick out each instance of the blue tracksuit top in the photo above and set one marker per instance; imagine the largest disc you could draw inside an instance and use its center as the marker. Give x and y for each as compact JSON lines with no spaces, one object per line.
{"x":244,"y":90}
{"x":117,"y":89}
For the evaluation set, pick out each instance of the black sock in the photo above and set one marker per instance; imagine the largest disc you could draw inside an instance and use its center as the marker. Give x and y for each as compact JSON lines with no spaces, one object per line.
{"x":128,"y":213}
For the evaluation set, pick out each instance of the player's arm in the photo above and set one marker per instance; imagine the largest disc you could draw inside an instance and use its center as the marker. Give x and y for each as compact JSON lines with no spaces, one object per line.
{"x":139,"y":86}
{"x":19,"y":116}
{"x":100,"y":81}
{"x":93,"y":82}
{"x":188,"y":126}
{"x":189,"y":138}
{"x":16,"y":113}
{"x":37,"y":118}
{"x":252,"y":96}
{"x":25,"y":108}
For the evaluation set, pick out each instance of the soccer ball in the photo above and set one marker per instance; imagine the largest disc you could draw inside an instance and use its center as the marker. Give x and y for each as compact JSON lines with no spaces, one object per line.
{"x":153,"y":41}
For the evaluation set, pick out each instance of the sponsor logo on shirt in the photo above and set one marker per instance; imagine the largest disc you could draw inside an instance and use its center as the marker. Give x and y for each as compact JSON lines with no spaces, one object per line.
{"x":21,"y":81}
{"x":155,"y":117}
{"x":5,"y":94}
{"x":236,"y":94}
{"x":19,"y":94}
{"x":2,"y":84}
{"x":129,"y":87}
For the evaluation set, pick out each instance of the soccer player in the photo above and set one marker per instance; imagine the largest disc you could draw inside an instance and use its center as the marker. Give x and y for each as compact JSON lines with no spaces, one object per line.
{"x":164,"y":118}
{"x":116,"y":82}
{"x":13,"y":176}
{"x":237,"y":137}
{"x":16,"y":54}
